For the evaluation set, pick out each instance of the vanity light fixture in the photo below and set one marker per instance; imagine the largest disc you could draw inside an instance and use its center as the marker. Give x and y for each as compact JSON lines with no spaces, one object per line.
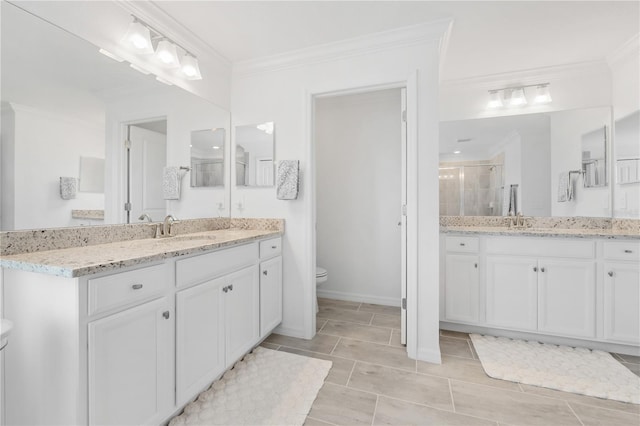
{"x":266,"y":127}
{"x":516,"y":96}
{"x":142,"y":38}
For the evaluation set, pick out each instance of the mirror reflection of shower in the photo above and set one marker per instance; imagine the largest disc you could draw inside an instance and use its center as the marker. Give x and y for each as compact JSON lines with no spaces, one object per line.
{"x":471,"y":190}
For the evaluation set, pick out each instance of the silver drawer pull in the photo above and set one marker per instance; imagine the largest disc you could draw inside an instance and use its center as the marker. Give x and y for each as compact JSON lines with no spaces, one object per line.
{"x":541,"y":269}
{"x":274,"y":247}
{"x":136,"y":286}
{"x":231,"y":287}
{"x":475,"y":265}
{"x":264,"y":272}
{"x":628,"y":251}
{"x":166,"y":314}
{"x":462,"y":244}
{"x":610,"y":273}
{"x":535,"y":269}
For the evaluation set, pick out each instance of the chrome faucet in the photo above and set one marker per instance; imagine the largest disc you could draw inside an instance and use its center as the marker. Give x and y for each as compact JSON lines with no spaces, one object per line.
{"x":517,"y":221}
{"x":144,"y":216}
{"x":166,"y":227}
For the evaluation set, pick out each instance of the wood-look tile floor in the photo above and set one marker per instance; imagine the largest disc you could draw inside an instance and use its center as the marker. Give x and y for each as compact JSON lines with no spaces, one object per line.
{"x":373,"y":382}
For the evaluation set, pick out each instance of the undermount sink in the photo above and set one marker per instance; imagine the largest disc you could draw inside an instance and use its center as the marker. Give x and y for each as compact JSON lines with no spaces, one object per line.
{"x":187,"y":237}
{"x":5,"y":330}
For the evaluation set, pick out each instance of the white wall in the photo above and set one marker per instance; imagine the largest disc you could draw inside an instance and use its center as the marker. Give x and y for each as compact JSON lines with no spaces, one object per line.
{"x":281,"y":89}
{"x":184,"y":113}
{"x":358,"y":195}
{"x":567,"y":128}
{"x":46,"y":146}
{"x":536,"y":169}
{"x":625,"y":72}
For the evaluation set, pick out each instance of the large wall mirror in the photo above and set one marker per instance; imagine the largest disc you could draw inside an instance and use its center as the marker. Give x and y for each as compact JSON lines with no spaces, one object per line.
{"x":254,"y":155}
{"x":63,"y":101}
{"x":529,"y":163}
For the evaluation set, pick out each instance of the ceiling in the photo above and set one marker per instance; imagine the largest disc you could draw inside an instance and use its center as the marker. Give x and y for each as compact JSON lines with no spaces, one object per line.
{"x":488,"y":37}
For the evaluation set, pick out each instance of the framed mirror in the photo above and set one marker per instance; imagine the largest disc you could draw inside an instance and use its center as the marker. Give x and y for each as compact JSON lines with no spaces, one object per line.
{"x":61,"y":101}
{"x":254,"y":148}
{"x":207,"y":158}
{"x":489,"y":164}
{"x":594,"y":158}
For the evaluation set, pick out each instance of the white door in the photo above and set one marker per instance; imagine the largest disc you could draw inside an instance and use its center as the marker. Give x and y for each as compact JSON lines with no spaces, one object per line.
{"x":129,"y":368}
{"x":567,"y":297}
{"x":241,"y":308}
{"x":270,"y":295}
{"x":462,"y":293}
{"x":148,"y":156}
{"x":512,"y":287}
{"x":199,"y":338}
{"x":403,"y":218}
{"x":622,"y":302}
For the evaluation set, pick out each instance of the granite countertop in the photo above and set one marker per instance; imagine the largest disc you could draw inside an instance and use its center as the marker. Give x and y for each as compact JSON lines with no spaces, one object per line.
{"x":92,"y":259}
{"x":542,"y":232}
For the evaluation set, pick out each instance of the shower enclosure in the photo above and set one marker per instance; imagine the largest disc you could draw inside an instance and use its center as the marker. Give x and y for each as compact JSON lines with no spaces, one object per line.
{"x":471,"y":190}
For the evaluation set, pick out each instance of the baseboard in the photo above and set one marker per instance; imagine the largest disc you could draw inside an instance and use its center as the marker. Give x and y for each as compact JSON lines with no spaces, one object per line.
{"x":356,"y":297}
{"x":290,"y":332}
{"x":544,"y":338}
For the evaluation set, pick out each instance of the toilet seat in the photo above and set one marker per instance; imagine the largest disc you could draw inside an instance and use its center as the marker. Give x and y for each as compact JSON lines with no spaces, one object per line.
{"x":321,"y":275}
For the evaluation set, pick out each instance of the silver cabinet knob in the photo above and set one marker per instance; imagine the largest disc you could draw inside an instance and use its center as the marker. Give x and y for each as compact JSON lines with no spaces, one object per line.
{"x":231,"y":287}
{"x":475,"y":265}
{"x":462,"y":244}
{"x":166,"y":314}
{"x":610,"y":273}
{"x":541,"y":269}
{"x":225,"y":289}
{"x":535,"y":269}
{"x":628,"y":251}
{"x":274,"y":247}
{"x":265,"y":272}
{"x":136,"y":286}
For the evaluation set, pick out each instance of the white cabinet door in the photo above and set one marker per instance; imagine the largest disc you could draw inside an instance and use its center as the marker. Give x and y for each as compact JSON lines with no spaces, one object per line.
{"x":129,"y":371}
{"x":270,"y":295}
{"x":512,"y":284}
{"x":199,"y":338}
{"x":461,"y":288}
{"x":567,"y":297}
{"x":242,"y":312}
{"x":622,"y":302}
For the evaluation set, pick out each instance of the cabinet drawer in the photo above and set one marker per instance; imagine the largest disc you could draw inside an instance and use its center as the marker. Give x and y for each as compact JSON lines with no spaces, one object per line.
{"x":270,"y":248}
{"x":207,"y":266}
{"x":624,"y":250}
{"x":556,"y":247}
{"x":462,"y":244}
{"x":126,"y":288}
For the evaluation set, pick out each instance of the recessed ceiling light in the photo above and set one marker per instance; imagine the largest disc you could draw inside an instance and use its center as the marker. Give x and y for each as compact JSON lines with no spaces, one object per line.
{"x":457,"y":152}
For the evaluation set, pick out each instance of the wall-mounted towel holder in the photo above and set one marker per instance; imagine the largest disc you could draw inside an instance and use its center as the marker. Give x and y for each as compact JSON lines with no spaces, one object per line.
{"x":188,"y":169}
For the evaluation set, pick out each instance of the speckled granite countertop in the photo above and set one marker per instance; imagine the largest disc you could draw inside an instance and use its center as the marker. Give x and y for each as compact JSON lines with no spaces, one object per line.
{"x":542,"y":232}
{"x":91,"y":259}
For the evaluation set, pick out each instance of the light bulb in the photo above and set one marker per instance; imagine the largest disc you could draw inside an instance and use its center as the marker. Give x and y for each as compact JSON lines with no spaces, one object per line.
{"x":139,"y":37}
{"x":517,"y":97}
{"x":494,"y":100}
{"x":167,"y":54}
{"x":542,"y":95}
{"x":190,"y":67}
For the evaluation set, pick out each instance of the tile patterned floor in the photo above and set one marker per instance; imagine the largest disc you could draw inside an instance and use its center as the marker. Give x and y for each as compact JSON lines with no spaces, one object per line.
{"x":373,"y":382}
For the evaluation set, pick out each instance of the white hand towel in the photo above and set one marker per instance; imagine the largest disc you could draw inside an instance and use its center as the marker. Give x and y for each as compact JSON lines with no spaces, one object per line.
{"x":287,"y":179}
{"x":564,"y":187}
{"x":171,"y":183}
{"x":68,"y":187}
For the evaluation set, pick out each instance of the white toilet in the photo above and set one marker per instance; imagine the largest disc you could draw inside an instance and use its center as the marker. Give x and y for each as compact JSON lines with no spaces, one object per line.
{"x":321,"y":276}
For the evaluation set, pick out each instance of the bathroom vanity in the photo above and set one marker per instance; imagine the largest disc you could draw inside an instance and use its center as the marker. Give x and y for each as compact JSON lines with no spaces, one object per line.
{"x":131,"y":331}
{"x":566,"y":286}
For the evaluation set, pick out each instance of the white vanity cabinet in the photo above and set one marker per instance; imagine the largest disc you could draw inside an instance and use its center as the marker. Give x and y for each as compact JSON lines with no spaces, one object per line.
{"x":270,"y":285}
{"x":621,"y":274}
{"x":217,"y":319}
{"x":462,"y":292}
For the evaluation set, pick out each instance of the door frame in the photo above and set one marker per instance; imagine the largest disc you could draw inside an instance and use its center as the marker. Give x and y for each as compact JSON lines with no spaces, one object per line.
{"x":411,"y":231}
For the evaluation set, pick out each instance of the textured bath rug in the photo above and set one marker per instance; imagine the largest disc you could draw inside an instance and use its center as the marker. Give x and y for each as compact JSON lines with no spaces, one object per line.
{"x":577,"y":370}
{"x":266,"y":388}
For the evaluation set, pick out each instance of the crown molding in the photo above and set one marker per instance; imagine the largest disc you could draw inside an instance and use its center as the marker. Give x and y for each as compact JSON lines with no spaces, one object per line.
{"x":530,"y":76}
{"x":628,"y":50}
{"x":155,"y":16}
{"x":442,"y":50}
{"x":347,"y":48}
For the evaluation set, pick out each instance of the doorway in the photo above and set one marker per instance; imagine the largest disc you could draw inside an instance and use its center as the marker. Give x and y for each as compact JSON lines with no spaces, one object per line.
{"x":360,"y":186}
{"x":146,"y":156}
